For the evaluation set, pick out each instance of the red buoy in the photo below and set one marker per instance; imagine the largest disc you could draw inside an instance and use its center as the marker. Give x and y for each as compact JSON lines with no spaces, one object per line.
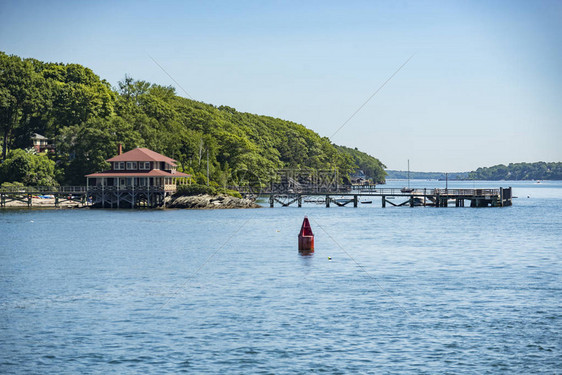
{"x":306,"y":237}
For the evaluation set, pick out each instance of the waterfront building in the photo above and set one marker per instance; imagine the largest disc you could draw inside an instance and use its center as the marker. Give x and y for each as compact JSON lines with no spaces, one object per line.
{"x":137,"y":177}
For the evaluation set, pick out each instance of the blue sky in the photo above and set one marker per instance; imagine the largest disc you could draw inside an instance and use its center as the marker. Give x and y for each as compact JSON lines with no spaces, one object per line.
{"x":482,"y":88}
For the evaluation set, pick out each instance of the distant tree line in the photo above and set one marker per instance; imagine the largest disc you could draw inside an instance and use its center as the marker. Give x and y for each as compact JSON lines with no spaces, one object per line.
{"x":86,"y":119}
{"x":398,"y":175}
{"x":371,"y":166}
{"x":519,"y":171}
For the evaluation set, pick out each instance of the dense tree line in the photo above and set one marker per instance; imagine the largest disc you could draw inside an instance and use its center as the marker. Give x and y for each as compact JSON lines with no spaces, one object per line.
{"x":86,"y":118}
{"x":519,"y":171}
{"x":371,"y":166}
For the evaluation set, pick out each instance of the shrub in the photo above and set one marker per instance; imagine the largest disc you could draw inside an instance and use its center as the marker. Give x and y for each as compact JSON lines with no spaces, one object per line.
{"x":195,"y":189}
{"x":28,"y":168}
{"x":232,"y":193}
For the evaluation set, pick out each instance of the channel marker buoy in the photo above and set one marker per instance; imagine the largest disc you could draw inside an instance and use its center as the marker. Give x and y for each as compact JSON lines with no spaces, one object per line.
{"x":306,"y":237}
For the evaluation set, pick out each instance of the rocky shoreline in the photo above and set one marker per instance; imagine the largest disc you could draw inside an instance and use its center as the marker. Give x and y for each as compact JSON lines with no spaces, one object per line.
{"x":205,"y":201}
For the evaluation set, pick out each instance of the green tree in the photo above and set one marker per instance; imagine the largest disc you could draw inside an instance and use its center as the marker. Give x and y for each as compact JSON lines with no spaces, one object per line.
{"x":28,"y":168}
{"x":85,"y":148}
{"x":18,"y":96}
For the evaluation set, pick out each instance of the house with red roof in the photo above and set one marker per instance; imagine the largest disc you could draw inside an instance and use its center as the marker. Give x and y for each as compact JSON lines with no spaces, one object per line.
{"x":135,"y":177}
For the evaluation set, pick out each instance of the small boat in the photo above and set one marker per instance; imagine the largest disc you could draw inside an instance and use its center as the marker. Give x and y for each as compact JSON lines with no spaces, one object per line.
{"x":318,"y":200}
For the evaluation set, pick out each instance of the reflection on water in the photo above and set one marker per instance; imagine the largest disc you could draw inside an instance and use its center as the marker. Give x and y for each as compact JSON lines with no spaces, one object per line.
{"x":306,"y":253}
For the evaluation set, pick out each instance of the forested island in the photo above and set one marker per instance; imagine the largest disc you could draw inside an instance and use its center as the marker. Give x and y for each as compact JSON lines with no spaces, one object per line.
{"x":513,"y":171}
{"x":519,"y":171}
{"x":85,"y":118}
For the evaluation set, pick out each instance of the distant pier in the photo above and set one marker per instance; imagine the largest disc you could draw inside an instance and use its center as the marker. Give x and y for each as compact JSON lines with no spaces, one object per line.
{"x":501,"y":197}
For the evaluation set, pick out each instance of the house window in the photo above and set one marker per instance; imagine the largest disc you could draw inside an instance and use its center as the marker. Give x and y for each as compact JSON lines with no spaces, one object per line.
{"x":144,"y":165}
{"x":131,"y":165}
{"x":119,"y":165}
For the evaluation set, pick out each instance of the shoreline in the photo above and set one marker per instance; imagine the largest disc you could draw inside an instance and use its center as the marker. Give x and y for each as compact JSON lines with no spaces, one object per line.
{"x":209,"y":202}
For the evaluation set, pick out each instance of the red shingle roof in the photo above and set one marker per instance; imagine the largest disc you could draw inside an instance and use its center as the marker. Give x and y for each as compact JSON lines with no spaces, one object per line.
{"x":151,"y":173}
{"x":142,"y":154}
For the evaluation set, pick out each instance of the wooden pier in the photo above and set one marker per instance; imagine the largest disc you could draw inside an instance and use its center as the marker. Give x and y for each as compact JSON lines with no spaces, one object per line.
{"x":93,"y":196}
{"x":501,"y":197}
{"x":57,"y":195}
{"x":153,"y":196}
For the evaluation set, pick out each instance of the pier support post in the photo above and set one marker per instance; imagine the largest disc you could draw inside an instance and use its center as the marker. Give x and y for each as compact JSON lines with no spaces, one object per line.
{"x":411,"y":201}
{"x":355,"y":201}
{"x":501,"y":196}
{"x":327,"y":201}
{"x":271,"y":201}
{"x":29,"y":200}
{"x":299,"y":200}
{"x":383,"y":201}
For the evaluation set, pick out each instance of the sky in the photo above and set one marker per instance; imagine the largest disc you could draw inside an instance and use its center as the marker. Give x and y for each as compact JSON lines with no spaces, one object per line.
{"x":481,"y":86}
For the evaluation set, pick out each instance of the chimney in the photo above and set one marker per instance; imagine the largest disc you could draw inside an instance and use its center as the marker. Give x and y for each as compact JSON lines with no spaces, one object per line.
{"x":119,"y":149}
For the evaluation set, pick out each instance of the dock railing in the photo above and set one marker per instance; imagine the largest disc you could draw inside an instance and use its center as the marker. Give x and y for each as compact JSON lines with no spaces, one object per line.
{"x":95,"y":188}
{"x":346,"y":190}
{"x":43,"y":189}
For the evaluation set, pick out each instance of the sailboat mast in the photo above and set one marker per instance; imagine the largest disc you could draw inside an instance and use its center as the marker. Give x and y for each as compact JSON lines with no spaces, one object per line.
{"x":408,"y":173}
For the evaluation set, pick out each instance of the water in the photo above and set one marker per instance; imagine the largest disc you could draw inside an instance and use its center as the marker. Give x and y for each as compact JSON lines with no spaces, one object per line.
{"x":407,"y":290}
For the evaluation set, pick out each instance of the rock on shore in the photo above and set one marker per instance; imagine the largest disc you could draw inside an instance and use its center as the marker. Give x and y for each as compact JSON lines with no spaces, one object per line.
{"x":209,"y":202}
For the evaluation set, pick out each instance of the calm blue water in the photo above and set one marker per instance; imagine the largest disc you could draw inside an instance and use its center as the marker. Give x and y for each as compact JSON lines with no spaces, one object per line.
{"x":407,"y":290}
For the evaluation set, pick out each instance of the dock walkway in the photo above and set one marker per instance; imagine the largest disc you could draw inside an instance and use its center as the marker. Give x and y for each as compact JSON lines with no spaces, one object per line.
{"x":55,"y":196}
{"x":501,"y":197}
